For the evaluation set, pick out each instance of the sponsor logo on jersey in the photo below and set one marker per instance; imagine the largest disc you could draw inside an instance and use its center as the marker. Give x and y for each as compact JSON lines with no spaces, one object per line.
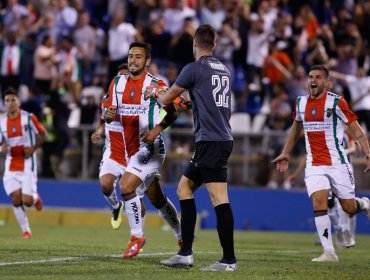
{"x":317,"y":126}
{"x":132,"y":109}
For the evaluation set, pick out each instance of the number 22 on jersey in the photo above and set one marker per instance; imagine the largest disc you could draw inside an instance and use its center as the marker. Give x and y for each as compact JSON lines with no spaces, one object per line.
{"x":221,"y":90}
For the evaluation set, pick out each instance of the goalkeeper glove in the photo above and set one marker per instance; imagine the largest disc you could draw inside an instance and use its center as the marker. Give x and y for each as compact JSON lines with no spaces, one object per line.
{"x":181,"y":102}
{"x":153,"y":90}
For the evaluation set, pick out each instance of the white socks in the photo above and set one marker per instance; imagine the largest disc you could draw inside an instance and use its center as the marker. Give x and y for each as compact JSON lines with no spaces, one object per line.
{"x":20,"y":215}
{"x":323,"y":227}
{"x":169,"y":213}
{"x":133,"y":212}
{"x":113,"y":199}
{"x":364,"y":205}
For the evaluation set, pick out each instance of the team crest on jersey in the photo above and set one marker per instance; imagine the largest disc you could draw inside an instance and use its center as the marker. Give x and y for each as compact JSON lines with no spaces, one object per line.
{"x":313,"y":112}
{"x":132,"y":93}
{"x":329,"y":112}
{"x":26,"y":127}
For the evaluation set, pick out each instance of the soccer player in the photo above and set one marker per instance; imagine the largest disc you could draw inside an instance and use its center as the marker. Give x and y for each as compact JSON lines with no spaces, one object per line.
{"x":208,"y":82}
{"x":322,"y":115}
{"x":343,"y":223}
{"x":113,"y":163}
{"x":112,"y":167}
{"x":143,"y":143}
{"x":21,"y":134}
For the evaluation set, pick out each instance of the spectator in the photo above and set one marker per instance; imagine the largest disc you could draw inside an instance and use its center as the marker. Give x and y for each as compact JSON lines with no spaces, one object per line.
{"x":45,"y":60}
{"x":257,"y":50}
{"x":27,"y":64}
{"x":33,"y":104}
{"x":228,"y":41}
{"x":10,"y":62}
{"x":85,"y":40}
{"x":69,"y":68}
{"x":277,"y":64}
{"x":12,"y":14}
{"x":212,"y":14}
{"x":160,"y":40}
{"x":175,"y":18}
{"x":279,"y":120}
{"x":158,"y":13}
{"x":46,"y":26}
{"x":65,"y":19}
{"x":359,"y":89}
{"x":349,"y":47}
{"x":316,"y":53}
{"x":54,"y":116}
{"x":182,"y":45}
{"x":120,"y":36}
{"x":296,"y":84}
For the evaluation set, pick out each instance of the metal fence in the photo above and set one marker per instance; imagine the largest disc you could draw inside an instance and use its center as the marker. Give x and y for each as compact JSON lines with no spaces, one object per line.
{"x":249,"y":164}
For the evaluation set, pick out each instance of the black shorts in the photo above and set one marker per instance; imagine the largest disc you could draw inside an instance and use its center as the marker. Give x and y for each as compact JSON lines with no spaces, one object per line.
{"x":209,"y":162}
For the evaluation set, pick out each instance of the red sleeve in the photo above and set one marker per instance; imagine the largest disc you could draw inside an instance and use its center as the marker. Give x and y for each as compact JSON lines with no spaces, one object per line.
{"x":348,"y":116}
{"x":40,"y":128}
{"x":109,"y":97}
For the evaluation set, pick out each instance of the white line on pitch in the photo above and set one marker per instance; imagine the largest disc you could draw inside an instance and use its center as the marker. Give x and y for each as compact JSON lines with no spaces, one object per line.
{"x":153,"y":255}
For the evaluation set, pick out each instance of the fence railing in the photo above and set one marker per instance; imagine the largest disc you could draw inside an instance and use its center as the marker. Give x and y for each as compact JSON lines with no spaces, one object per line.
{"x":249,"y":164}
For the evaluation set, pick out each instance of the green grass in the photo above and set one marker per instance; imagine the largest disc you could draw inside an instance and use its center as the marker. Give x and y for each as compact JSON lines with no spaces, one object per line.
{"x":95,"y":253}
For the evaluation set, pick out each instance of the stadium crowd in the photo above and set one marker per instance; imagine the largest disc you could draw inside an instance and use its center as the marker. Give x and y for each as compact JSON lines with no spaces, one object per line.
{"x":62,"y":55}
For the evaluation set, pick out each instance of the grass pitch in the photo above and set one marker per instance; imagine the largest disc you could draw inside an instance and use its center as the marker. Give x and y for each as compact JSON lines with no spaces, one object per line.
{"x":94,"y":253}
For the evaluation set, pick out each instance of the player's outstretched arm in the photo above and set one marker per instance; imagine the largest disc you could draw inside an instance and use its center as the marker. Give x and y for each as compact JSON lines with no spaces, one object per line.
{"x":182,"y":102}
{"x":282,"y":161}
{"x":163,"y":94}
{"x":361,"y":137}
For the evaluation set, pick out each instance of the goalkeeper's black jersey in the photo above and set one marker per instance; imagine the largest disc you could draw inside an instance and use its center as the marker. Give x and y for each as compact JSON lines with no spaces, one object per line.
{"x":209,"y":85}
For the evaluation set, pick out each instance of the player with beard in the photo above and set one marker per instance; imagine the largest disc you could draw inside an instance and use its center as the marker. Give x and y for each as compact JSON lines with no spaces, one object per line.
{"x":323,"y":115}
{"x":143,"y":143}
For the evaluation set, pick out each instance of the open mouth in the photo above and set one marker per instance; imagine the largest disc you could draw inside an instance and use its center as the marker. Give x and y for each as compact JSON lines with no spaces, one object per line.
{"x":313,"y":86}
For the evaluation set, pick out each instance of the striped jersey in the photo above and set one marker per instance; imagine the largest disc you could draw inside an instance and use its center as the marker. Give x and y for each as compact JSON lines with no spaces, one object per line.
{"x":18,"y":133}
{"x":136,"y":114}
{"x":114,"y":144}
{"x":323,"y":122}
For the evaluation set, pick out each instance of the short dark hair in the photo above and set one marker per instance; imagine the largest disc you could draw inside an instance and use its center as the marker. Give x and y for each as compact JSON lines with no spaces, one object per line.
{"x":145,"y":46}
{"x":205,"y":36}
{"x":10,"y":90}
{"x":122,"y":66}
{"x":320,"y":68}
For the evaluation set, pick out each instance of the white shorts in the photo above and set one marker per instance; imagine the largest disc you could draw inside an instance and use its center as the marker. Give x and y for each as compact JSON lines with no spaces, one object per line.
{"x":110,"y":166}
{"x":25,"y":181}
{"x":338,"y":178}
{"x":146,"y":167}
